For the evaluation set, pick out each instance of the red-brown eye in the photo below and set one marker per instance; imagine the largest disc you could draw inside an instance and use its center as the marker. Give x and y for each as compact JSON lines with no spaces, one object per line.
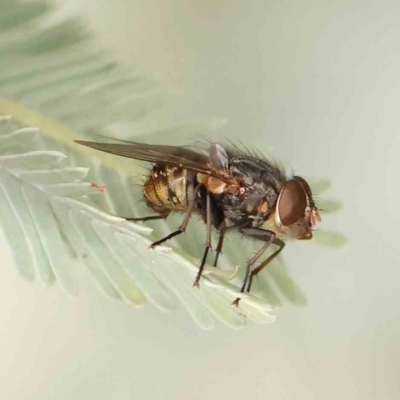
{"x":292,"y":203}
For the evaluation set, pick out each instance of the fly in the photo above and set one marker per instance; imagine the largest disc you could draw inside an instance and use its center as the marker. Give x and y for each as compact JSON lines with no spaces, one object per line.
{"x":231,"y":190}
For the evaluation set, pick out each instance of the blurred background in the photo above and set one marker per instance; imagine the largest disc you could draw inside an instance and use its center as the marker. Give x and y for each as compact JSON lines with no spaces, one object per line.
{"x":319,"y":82}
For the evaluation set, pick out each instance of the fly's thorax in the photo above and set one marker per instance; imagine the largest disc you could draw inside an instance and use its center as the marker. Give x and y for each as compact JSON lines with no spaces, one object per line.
{"x":247,"y":207}
{"x":260,"y":185}
{"x":167,"y":189}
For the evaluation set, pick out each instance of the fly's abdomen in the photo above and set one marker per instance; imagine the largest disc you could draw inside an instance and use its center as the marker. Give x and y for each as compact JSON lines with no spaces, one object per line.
{"x":166,"y":189}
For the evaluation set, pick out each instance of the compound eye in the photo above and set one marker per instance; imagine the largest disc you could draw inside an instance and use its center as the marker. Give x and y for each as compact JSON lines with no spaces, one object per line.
{"x":292,"y":203}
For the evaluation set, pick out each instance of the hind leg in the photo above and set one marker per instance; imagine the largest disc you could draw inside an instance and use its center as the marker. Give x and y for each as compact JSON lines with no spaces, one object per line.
{"x":185,"y":221}
{"x":149,"y":218}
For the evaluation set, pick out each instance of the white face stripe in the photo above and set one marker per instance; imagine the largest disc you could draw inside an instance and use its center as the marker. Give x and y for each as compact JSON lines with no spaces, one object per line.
{"x":277,"y":217}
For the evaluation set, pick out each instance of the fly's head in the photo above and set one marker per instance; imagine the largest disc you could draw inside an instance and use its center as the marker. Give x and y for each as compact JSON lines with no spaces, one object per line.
{"x":296,"y":213}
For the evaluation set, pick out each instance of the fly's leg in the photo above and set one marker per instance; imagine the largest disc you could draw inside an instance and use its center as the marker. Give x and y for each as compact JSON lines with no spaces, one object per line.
{"x":151,"y":217}
{"x":255,"y":271}
{"x":218,"y":250}
{"x":266,"y":236}
{"x":185,"y":221}
{"x":208,"y":243}
{"x":249,"y":264}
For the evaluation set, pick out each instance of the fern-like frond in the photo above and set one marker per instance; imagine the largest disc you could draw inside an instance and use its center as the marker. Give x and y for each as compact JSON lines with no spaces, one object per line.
{"x":46,"y":204}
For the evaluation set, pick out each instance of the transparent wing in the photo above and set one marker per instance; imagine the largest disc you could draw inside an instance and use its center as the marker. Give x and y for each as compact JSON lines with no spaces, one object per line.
{"x":177,"y":156}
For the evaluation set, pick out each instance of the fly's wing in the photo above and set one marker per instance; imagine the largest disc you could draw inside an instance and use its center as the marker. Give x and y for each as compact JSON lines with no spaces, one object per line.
{"x":177,"y":156}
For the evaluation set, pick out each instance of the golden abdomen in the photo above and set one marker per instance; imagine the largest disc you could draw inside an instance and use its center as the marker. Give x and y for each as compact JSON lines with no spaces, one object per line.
{"x":166,"y":189}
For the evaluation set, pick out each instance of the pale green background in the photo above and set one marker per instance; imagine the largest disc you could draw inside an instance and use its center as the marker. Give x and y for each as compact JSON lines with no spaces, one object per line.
{"x":319,"y":81}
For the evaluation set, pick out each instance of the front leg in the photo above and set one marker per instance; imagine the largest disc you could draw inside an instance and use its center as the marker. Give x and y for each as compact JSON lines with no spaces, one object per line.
{"x":269,"y":238}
